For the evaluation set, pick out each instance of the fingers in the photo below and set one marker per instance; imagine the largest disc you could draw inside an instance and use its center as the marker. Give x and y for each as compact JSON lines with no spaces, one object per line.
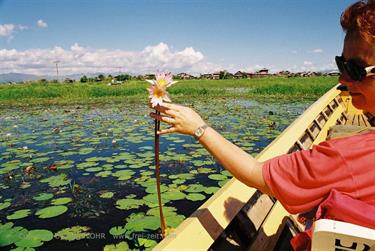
{"x":168,"y":130}
{"x":165,"y":108}
{"x":165,"y":119}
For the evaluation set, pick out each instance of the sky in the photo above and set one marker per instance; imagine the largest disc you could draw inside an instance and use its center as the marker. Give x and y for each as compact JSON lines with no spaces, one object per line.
{"x":145,"y":36}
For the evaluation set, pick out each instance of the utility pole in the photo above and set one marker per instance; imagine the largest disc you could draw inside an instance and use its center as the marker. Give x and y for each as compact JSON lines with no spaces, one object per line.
{"x":57,"y":69}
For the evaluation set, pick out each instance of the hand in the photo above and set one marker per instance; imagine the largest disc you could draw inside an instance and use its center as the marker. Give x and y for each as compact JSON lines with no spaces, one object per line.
{"x":183,"y":119}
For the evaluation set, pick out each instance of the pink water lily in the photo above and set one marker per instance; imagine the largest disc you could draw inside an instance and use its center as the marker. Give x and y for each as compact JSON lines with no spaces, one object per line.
{"x":158,"y":90}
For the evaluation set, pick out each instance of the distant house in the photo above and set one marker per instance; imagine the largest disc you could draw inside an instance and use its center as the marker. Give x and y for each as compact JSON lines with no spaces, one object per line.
{"x":184,"y":75}
{"x":283,"y":73}
{"x":114,"y":81}
{"x":149,"y":76}
{"x":216,"y":75}
{"x":68,"y":80}
{"x":206,"y":76}
{"x":263,"y":71}
{"x":333,"y":73}
{"x":242,"y":74}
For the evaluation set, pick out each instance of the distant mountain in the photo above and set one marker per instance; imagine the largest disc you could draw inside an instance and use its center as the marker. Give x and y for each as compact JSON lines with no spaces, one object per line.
{"x":17,"y":77}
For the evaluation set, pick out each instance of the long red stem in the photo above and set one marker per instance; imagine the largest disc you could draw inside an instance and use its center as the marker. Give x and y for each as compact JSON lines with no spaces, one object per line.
{"x":157,"y":172}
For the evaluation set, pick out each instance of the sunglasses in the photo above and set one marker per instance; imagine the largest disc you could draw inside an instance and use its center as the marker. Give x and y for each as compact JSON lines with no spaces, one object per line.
{"x":355,"y":72}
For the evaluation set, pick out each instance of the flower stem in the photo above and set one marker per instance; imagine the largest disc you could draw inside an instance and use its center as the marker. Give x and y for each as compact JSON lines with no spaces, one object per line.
{"x":157,"y":172}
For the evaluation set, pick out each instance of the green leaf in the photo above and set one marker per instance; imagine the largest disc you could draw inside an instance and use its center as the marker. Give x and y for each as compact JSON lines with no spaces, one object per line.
{"x":126,"y":204}
{"x":119,"y":230}
{"x":106,"y":195}
{"x":43,"y":196}
{"x":51,"y":211}
{"x":147,"y":243}
{"x":195,"y":196}
{"x":73,"y":233}
{"x":61,"y":201}
{"x":195,"y":188}
{"x":217,"y":177}
{"x":4,"y":205}
{"x":173,"y":195}
{"x":122,"y":246}
{"x":140,"y":222}
{"x":19,"y":214}
{"x":35,"y":238}
{"x":9,"y":235}
{"x":153,"y":189}
{"x":58,"y":180}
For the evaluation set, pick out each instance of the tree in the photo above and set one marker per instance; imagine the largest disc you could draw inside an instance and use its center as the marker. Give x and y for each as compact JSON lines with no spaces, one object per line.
{"x":83,"y":79}
{"x":101,"y":77}
{"x":123,"y":77}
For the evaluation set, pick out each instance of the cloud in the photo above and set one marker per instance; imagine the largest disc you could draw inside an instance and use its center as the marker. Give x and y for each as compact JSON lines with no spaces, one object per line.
{"x":8,"y":30}
{"x":318,"y":50}
{"x":79,"y":59}
{"x":41,"y":24}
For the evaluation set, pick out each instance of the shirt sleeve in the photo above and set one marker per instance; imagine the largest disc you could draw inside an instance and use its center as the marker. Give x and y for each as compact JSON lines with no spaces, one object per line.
{"x":303,"y":179}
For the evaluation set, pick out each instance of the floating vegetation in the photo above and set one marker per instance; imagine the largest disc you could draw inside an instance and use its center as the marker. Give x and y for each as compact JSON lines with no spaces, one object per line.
{"x":43,"y":196}
{"x":51,"y":211}
{"x":61,"y":201}
{"x":82,"y":182}
{"x":73,"y":233}
{"x":19,"y":214}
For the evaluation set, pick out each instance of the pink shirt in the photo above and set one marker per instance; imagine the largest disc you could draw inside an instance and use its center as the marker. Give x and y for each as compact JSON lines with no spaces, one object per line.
{"x":302,"y":180}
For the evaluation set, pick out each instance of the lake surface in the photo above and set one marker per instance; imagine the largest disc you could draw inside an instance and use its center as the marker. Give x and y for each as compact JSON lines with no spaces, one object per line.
{"x":83,"y":176}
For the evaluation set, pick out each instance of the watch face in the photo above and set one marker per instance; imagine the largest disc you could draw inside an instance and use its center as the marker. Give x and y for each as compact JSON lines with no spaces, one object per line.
{"x":199,"y":132}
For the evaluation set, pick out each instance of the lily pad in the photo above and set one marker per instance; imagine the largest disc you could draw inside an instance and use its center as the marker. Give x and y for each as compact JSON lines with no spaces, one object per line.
{"x":19,"y":214}
{"x":119,"y":230}
{"x":211,"y":190}
{"x":4,"y":205}
{"x":153,"y":189}
{"x":195,"y":188}
{"x":173,"y":195}
{"x":217,"y":177}
{"x":73,"y":233}
{"x":43,"y":196}
{"x":195,"y":196}
{"x":56,"y":181}
{"x":51,"y":211}
{"x":35,"y":238}
{"x":61,"y":201}
{"x":106,"y":195}
{"x":122,"y":246}
{"x":147,"y":243}
{"x":10,"y":234}
{"x":139,"y":222}
{"x":126,"y":204}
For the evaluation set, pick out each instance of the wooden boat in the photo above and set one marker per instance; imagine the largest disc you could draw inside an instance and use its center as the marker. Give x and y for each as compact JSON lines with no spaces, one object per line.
{"x":238,"y":217}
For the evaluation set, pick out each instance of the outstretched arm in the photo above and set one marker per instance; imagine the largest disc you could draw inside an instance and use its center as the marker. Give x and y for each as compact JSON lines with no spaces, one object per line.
{"x":242,"y":165}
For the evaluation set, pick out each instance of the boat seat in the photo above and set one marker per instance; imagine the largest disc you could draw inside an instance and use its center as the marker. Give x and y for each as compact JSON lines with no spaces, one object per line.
{"x":339,"y":131}
{"x":330,"y":235}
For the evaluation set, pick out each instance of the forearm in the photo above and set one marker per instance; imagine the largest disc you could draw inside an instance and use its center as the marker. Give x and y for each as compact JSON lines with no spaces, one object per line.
{"x":241,"y":164}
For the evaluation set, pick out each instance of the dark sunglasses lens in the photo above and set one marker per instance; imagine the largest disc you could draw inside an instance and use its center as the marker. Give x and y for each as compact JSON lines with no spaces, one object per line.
{"x":355,"y":72}
{"x":340,"y":64}
{"x":349,"y":67}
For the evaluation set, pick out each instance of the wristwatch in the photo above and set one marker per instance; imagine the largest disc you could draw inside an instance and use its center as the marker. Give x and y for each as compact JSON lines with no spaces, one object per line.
{"x":200,"y":131}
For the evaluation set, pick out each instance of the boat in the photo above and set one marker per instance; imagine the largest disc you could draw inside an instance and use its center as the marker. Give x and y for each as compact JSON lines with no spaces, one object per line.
{"x":238,"y":217}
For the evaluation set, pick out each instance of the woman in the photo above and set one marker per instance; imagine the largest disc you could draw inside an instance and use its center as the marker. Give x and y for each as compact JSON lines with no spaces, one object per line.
{"x":303,"y":180}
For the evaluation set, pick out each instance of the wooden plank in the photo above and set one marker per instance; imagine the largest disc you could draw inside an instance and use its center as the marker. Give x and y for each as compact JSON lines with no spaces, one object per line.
{"x":271,"y":229}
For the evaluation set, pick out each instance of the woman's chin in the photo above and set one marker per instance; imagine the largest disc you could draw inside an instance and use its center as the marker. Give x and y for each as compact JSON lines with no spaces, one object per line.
{"x":358,"y":102}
